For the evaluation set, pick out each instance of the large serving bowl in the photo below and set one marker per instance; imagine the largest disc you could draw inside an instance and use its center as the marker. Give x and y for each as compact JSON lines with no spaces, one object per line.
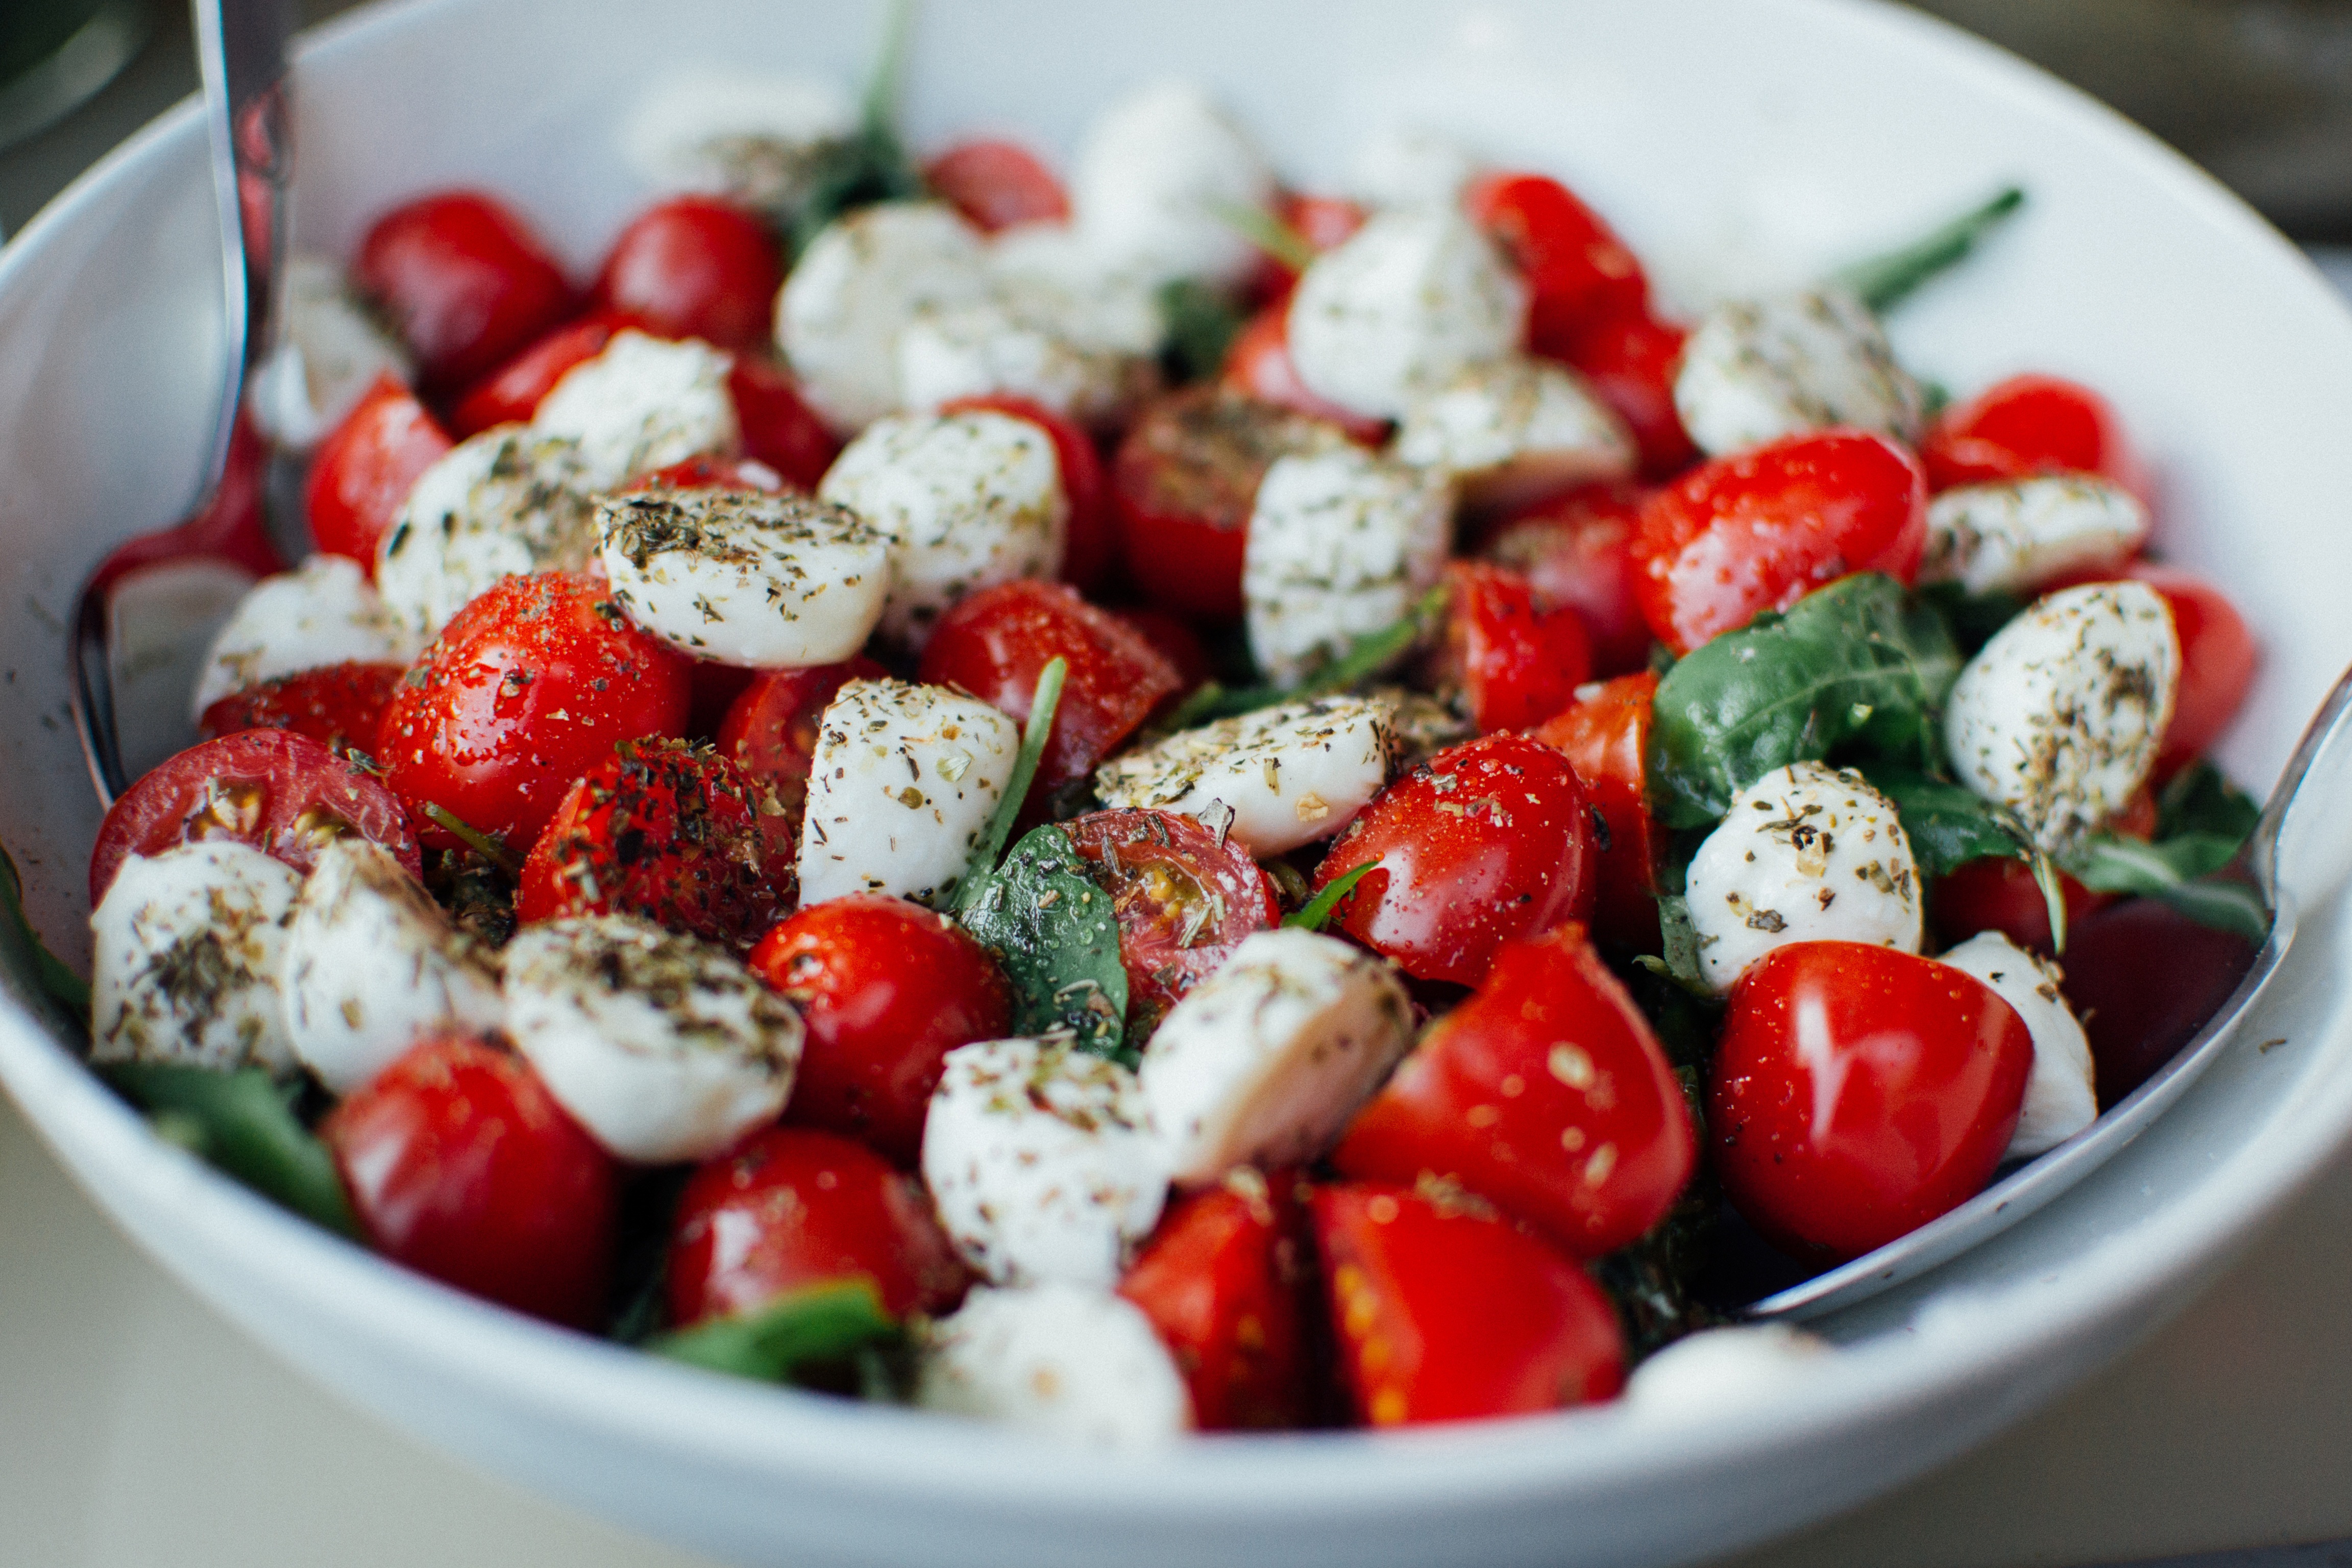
{"x":1736,"y":143}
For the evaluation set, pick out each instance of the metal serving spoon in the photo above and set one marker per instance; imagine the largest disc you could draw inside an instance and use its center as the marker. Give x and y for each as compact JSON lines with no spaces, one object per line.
{"x":145,"y":614}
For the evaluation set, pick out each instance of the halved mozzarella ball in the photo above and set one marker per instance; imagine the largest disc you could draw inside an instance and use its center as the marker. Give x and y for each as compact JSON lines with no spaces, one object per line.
{"x":323,"y":611}
{"x":1265,"y":1062}
{"x":1411,"y":165}
{"x":759,"y":138}
{"x":189,"y":959}
{"x":1807,"y":853}
{"x":2014,"y":536}
{"x":903,"y":781}
{"x":1047,"y":272}
{"x":373,"y":965}
{"x":1039,"y":1160}
{"x":1756,"y":370}
{"x":1150,"y":183}
{"x":1701,"y":1374}
{"x":745,"y":577}
{"x":329,"y":350}
{"x":860,"y":281}
{"x":1059,"y":1360}
{"x":2061,"y":714}
{"x":968,"y":499}
{"x":2061,"y":1097}
{"x":1275,"y":779}
{"x":1341,"y":543}
{"x":1392,"y":312}
{"x":643,"y":404}
{"x":663,"y":1047}
{"x":1511,"y":429}
{"x":505,"y":503}
{"x":992,"y":345}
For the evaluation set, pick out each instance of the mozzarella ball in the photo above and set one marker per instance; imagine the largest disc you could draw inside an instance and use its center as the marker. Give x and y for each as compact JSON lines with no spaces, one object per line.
{"x":1038,"y":1158}
{"x":1047,"y":272}
{"x":2014,"y":536}
{"x":1057,"y":1360}
{"x":860,"y":281}
{"x":2060,"y":715}
{"x":1411,"y":165}
{"x":643,"y":404}
{"x":982,"y":347}
{"x":1509,"y":430}
{"x":902,"y":784}
{"x":505,"y":503}
{"x":1396,"y":308}
{"x":1756,"y":370}
{"x":758,"y":138}
{"x":968,"y":499}
{"x":189,"y":959}
{"x":2061,"y":1097}
{"x":1807,"y":853}
{"x":744,"y":577}
{"x":663,"y":1047}
{"x":1149,"y":183}
{"x":1700,"y":1374}
{"x":1341,"y":543}
{"x":373,"y":965}
{"x":323,"y":611}
{"x":1273,"y":780}
{"x":329,"y":351}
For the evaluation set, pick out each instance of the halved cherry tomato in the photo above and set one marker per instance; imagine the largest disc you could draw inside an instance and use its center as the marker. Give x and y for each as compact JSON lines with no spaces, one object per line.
{"x":1177,"y":643}
{"x":1446,"y":1313}
{"x":770,"y":730}
{"x":887,"y":990}
{"x":2217,"y":662}
{"x":710,"y":473}
{"x":1760,"y":530}
{"x":1220,"y":1282}
{"x":673,"y":833}
{"x":465,"y":280}
{"x":1510,"y":658}
{"x":996,"y":185}
{"x":339,"y":705}
{"x":695,"y":267}
{"x":1546,"y":1094}
{"x":363,"y":472}
{"x":1184,"y":898}
{"x":1996,"y":893}
{"x":1576,"y":548}
{"x":2144,"y":979}
{"x":1630,"y":362}
{"x":1258,"y":364}
{"x":284,"y":793}
{"x":512,"y":393}
{"x":794,"y":1208}
{"x":526,"y":689}
{"x":461,"y":1166}
{"x":1321,"y":221}
{"x":779,"y":428}
{"x":1859,"y":1093}
{"x":1605,"y":735}
{"x":1091,"y":549}
{"x":1577,"y":270}
{"x":1484,"y":843}
{"x":2031,"y":425}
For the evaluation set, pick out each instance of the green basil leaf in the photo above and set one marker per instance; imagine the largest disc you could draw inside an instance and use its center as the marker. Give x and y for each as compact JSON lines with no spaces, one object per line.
{"x":1044,"y":703}
{"x":1885,"y":281}
{"x":807,"y":1329}
{"x":2177,"y":870}
{"x":240,"y":1121}
{"x":1053,"y":931}
{"x":1319,"y":908}
{"x":1949,"y":824}
{"x":1199,"y":323}
{"x":1972,"y":618}
{"x":30,"y":957}
{"x":2198,"y":799}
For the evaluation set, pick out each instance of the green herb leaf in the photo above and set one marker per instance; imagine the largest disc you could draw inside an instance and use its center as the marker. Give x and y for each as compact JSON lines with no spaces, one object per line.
{"x":1201,"y":323}
{"x":1949,"y":826}
{"x":1851,"y":666}
{"x":488,"y":846}
{"x":1885,"y":281}
{"x":2198,"y":799}
{"x":1268,"y":232}
{"x":1043,"y":705}
{"x":1366,"y":657}
{"x":2177,"y":870}
{"x":1677,"y":960}
{"x":872,"y":165}
{"x":1319,"y":908}
{"x":822,"y":1325}
{"x":240,"y":1121}
{"x":1053,"y":929}
{"x":1972,"y":618}
{"x":59,"y":984}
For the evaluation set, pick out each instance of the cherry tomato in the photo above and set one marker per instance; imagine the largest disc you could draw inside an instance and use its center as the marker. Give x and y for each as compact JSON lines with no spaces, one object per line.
{"x":284,"y":793}
{"x":1177,"y":643}
{"x":465,"y":280}
{"x":1446,"y":1313}
{"x":2144,"y":979}
{"x":769,"y":730}
{"x":709,"y":473}
{"x":1258,"y":364}
{"x":1996,"y":893}
{"x":1220,"y":1282}
{"x":1321,"y":221}
{"x":512,"y":393}
{"x":1760,"y":530}
{"x":1484,"y":843}
{"x":526,"y":689}
{"x":994,"y":643}
{"x":695,"y":267}
{"x":1859,"y":1093}
{"x":794,"y":1208}
{"x":779,"y":428}
{"x":1576,"y":548}
{"x":361,"y":473}
{"x":1605,"y":735}
{"x":887,"y":990}
{"x":2030,"y":425}
{"x":1630,"y":362}
{"x":1510,"y":658}
{"x":339,"y":705}
{"x":996,"y":185}
{"x":2217,"y":662}
{"x":1576,"y":270}
{"x":1183,"y":900}
{"x":462,"y":1166}
{"x":1092,"y":547}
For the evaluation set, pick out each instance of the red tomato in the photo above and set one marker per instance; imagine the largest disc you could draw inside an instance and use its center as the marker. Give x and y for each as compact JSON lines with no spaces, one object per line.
{"x":1092,"y":547}
{"x":2217,"y":662}
{"x":462,"y":1166}
{"x":1321,"y":221}
{"x":1177,"y":643}
{"x":1221,"y":1280}
{"x":994,"y":643}
{"x":996,"y":185}
{"x":770,"y":730}
{"x":1444,"y":1313}
{"x":1484,"y":843}
{"x":709,"y":473}
{"x":2030,"y":425}
{"x":1576,"y":548}
{"x":779,"y":428}
{"x":2144,"y":980}
{"x":512,"y":393}
{"x":1996,"y":893}
{"x":465,"y":280}
{"x":1760,"y":530}
{"x":340,"y":705}
{"x":1513,"y":657}
{"x":363,"y":472}
{"x":1545,"y":1093}
{"x":1184,"y":898}
{"x":284,"y":793}
{"x":1576,"y":270}
{"x":695,"y":267}
{"x":1258,"y":364}
{"x":1629,"y":362}
{"x":887,"y":990}
{"x":526,"y":689}
{"x":1859,"y":1093}
{"x":1605,"y":736}
{"x":793,"y":1208}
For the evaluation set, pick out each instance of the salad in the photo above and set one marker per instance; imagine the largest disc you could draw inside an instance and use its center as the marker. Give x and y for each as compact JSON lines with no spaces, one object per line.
{"x":1153,"y":802}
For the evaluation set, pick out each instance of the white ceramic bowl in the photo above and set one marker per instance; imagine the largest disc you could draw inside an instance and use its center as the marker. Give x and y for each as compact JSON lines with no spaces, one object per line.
{"x":1733,"y":141}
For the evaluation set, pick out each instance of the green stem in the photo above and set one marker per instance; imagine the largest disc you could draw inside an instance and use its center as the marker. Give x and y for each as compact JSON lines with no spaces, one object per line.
{"x":1268,"y":232}
{"x":1885,"y":281}
{"x":809,"y":1328}
{"x":1002,"y":821}
{"x":475,"y":839}
{"x":1366,"y":657}
{"x":1319,"y":908}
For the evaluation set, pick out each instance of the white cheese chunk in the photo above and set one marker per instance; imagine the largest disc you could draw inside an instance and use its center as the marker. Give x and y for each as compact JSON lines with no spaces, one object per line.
{"x":991,"y":345}
{"x":1341,"y":543}
{"x":1152,"y":180}
{"x":2061,"y":1097}
{"x":190,"y":958}
{"x":860,"y":281}
{"x":504,"y":503}
{"x":1411,"y":165}
{"x":2014,"y":536}
{"x":645,"y":403}
{"x":1275,"y":779}
{"x":759,"y":138}
{"x":1756,"y":370}
{"x":1060,"y":1361}
{"x":323,"y":611}
{"x":1048,"y":273}
{"x":1701,"y":1374}
{"x":329,"y":351}
{"x":1509,"y":430}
